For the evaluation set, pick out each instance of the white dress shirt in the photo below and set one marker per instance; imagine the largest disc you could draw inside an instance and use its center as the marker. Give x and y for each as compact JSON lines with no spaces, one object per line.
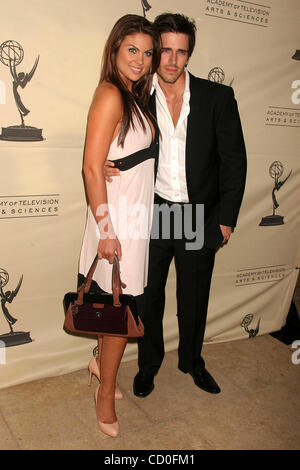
{"x":171,"y":178}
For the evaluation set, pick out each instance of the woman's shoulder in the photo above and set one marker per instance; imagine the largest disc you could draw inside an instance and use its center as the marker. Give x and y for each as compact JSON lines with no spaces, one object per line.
{"x":107,"y":101}
{"x":108,"y":92}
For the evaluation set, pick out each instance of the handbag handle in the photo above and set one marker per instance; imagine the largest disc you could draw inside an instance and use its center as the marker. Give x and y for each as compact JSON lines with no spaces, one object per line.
{"x":117,"y":284}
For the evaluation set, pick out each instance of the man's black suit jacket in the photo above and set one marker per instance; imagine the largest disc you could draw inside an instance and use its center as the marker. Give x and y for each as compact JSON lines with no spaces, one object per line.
{"x":215,"y":155}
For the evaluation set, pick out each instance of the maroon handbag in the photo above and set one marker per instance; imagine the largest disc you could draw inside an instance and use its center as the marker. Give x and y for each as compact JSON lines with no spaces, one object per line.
{"x":101,"y":313}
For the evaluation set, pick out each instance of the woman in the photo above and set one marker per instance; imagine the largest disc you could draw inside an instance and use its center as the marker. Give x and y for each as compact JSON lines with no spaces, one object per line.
{"x":121,"y":130}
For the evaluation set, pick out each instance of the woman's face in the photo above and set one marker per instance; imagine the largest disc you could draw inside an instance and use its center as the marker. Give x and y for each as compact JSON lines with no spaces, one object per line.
{"x":134,"y":57}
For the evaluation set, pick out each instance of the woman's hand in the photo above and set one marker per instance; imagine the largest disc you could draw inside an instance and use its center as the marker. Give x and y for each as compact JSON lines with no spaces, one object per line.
{"x":108,"y":247}
{"x":109,"y":170}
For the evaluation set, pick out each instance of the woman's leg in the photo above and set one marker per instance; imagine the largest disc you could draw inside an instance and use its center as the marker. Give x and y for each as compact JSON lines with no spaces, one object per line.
{"x":112,"y":349}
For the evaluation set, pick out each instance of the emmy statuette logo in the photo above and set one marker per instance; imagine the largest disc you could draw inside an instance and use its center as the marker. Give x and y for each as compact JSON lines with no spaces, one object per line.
{"x":11,"y":55}
{"x":275,"y":171}
{"x":216,"y":74}
{"x":146,"y":7}
{"x":246,"y":323}
{"x":13,"y":338}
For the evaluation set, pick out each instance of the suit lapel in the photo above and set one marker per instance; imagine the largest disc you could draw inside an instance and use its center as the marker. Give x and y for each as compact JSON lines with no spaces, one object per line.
{"x":152,"y":103}
{"x":193,"y":133}
{"x":193,"y":124}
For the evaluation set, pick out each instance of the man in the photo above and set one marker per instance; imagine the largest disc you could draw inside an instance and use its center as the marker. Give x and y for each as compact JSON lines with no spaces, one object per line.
{"x":202,"y":160}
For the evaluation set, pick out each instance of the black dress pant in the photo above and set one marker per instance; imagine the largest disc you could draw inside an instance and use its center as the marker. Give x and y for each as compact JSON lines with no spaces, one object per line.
{"x":193,"y":275}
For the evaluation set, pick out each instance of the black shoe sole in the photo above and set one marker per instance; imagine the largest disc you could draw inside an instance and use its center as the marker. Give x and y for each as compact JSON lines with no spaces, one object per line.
{"x":213,"y":391}
{"x":209,"y":389}
{"x":145,"y":394}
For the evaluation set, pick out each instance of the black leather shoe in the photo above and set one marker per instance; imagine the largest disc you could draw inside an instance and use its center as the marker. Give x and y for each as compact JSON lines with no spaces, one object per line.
{"x":143,"y":384}
{"x":204,"y":380}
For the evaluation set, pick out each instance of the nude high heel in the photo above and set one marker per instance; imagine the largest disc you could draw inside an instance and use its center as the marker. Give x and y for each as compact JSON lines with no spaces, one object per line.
{"x":111,"y":429}
{"x":94,"y":370}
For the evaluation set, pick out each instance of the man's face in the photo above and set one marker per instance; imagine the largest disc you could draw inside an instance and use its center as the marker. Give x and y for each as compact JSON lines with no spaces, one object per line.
{"x":174,"y":56}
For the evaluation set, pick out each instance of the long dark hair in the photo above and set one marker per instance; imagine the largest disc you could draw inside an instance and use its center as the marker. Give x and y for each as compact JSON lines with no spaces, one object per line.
{"x":129,"y":24}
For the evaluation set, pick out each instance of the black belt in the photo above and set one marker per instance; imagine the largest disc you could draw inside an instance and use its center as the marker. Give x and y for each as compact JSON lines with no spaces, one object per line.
{"x":160,"y":200}
{"x":128,"y":162}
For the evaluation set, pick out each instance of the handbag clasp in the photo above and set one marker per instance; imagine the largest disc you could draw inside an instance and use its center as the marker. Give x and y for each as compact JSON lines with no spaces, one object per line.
{"x":74,"y":308}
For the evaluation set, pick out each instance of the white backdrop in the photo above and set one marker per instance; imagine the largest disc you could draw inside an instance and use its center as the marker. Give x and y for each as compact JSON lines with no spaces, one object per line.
{"x":42,"y":200}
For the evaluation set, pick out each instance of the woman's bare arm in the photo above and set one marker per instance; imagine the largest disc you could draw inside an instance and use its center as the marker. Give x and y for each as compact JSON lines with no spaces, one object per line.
{"x":103,"y":125}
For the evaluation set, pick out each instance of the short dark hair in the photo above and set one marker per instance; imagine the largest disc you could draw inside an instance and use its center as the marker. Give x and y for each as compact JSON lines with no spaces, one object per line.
{"x":177,"y":23}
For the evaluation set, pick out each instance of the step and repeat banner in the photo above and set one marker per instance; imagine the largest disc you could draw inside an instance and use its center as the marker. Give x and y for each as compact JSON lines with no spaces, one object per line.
{"x":50,"y":57}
